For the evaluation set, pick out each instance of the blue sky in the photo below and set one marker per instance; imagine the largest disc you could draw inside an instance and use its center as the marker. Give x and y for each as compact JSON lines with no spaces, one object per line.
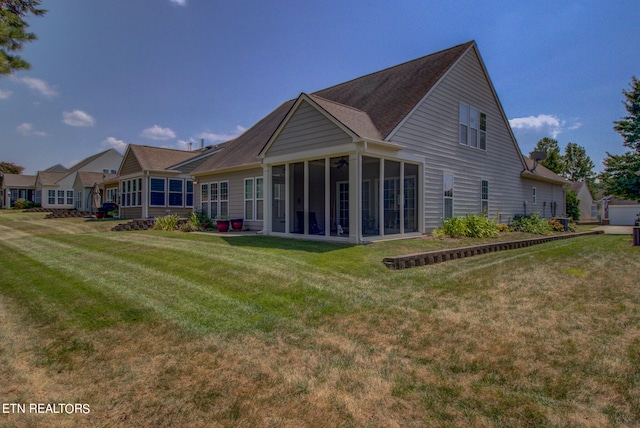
{"x":168,"y":72}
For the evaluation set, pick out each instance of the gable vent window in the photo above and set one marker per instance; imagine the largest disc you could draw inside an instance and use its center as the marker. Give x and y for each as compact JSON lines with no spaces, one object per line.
{"x":473,"y":127}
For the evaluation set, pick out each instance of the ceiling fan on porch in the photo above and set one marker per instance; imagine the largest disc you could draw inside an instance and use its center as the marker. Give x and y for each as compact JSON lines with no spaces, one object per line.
{"x":341,"y":162}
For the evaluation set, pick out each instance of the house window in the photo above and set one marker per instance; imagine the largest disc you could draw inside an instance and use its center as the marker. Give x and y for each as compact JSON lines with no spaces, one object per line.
{"x":248,"y":198}
{"x":157,"y":192}
{"x":69,"y":197}
{"x":534,"y":196}
{"x":175,"y":192}
{"x":448,"y":195}
{"x":259,"y":198}
{"x":204,"y":198}
{"x":189,"y":193}
{"x":112,"y":195}
{"x":60,"y":197}
{"x":224,"y":199}
{"x":213,"y":187}
{"x":484,"y":204}
{"x":51,"y":197}
{"x":473,"y":127}
{"x":131,"y":193}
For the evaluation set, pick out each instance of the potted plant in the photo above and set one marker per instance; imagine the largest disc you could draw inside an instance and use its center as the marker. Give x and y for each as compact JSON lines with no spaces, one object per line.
{"x":222,"y":223}
{"x":237,"y":224}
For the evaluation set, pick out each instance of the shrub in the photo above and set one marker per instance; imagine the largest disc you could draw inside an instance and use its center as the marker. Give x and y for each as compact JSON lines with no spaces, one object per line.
{"x":22,"y":204}
{"x":532,"y":223}
{"x":204,"y":221}
{"x":472,"y":226}
{"x":480,"y":226}
{"x":191,"y":225}
{"x":556,"y":226}
{"x":168,"y":222}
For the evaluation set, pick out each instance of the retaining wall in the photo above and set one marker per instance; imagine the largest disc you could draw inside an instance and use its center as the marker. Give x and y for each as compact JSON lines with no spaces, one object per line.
{"x":432,"y":257}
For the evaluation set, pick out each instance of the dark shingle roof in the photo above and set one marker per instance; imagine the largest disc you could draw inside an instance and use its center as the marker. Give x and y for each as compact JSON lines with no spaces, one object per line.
{"x":541,"y":173}
{"x":371,"y":106}
{"x":387,"y":96}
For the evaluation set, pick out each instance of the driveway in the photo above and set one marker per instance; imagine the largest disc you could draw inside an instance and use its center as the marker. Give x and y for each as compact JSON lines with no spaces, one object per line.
{"x":616,"y":230}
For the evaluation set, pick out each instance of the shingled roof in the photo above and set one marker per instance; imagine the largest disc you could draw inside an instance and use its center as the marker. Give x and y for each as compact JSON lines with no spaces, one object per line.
{"x":158,"y":158}
{"x":371,"y":106}
{"x":18,"y":180}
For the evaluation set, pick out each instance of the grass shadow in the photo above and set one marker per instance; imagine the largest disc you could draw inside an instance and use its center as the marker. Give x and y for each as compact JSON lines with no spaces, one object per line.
{"x":272,"y":242}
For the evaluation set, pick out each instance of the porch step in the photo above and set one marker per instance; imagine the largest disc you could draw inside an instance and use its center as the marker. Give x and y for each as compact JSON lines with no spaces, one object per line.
{"x":138,"y":224}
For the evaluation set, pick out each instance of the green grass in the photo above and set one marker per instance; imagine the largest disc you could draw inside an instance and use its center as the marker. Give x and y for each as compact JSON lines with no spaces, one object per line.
{"x":159,"y":328}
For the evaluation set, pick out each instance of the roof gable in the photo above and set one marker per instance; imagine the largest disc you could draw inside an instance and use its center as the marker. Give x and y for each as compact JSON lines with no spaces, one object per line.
{"x":387,"y":96}
{"x":244,"y":150}
{"x":370,"y":106}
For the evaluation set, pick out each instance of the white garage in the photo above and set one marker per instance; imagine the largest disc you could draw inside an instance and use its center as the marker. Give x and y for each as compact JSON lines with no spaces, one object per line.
{"x":623,"y":215}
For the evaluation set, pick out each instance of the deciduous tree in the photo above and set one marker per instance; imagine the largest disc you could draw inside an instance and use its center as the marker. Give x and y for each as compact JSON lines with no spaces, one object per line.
{"x":552,"y":150}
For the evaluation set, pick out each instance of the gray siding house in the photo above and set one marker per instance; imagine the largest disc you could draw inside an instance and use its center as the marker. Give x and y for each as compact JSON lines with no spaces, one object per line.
{"x":383,"y":156}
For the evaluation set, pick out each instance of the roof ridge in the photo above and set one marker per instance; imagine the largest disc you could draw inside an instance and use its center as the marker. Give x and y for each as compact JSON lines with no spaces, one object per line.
{"x":469,"y":43}
{"x":337,"y":103}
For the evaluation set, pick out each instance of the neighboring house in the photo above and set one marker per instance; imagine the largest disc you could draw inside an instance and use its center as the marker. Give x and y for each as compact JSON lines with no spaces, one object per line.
{"x":154,"y":181}
{"x":56,"y":189}
{"x":383,"y":156}
{"x":83,"y":188}
{"x":619,"y":212}
{"x":588,"y":207}
{"x":17,"y":186}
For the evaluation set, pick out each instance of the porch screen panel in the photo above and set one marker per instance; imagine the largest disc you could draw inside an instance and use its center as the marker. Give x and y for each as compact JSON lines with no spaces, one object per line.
{"x":392,"y":194}
{"x":277,"y":195}
{"x":370,"y":196}
{"x":317,"y":220}
{"x":410,"y":198}
{"x":296,"y":202}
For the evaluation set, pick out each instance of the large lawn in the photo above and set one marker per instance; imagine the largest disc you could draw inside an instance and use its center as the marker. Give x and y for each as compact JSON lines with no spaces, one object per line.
{"x":174,"y":329}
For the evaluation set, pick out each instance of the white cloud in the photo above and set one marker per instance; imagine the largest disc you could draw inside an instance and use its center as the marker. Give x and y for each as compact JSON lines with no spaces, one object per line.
{"x":5,"y":94}
{"x":547,"y":123}
{"x":158,"y":133}
{"x":218,"y":138}
{"x":27,"y":129}
{"x":179,"y":2}
{"x":535,"y":122}
{"x":114,"y":143}
{"x":78,"y":118}
{"x":37,"y":85}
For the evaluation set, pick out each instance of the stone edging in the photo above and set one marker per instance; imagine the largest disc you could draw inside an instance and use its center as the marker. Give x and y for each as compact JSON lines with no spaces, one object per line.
{"x":438,"y":256}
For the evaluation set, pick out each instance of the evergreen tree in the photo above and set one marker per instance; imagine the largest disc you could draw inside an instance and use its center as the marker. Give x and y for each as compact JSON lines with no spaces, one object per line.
{"x":13,"y":34}
{"x":621,"y":177}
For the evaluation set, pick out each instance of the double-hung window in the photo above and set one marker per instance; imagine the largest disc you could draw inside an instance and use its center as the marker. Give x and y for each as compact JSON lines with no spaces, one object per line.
{"x":248,"y":198}
{"x":51,"y":199}
{"x":175,"y":192}
{"x":157,"y":192}
{"x":60,"y":197}
{"x":189,"y":193}
{"x":69,"y":197}
{"x":484,"y":192}
{"x":223,"y":198}
{"x":259,"y":198}
{"x":473,"y":127}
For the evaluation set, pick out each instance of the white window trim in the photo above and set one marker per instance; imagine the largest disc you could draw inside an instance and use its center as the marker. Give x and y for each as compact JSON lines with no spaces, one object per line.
{"x":482,"y":199}
{"x":257,"y":199}
{"x":477,"y":144}
{"x":452,"y":197}
{"x":183,"y":193}
{"x":165,"y":191}
{"x":251,"y":199}
{"x":534,"y":195}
